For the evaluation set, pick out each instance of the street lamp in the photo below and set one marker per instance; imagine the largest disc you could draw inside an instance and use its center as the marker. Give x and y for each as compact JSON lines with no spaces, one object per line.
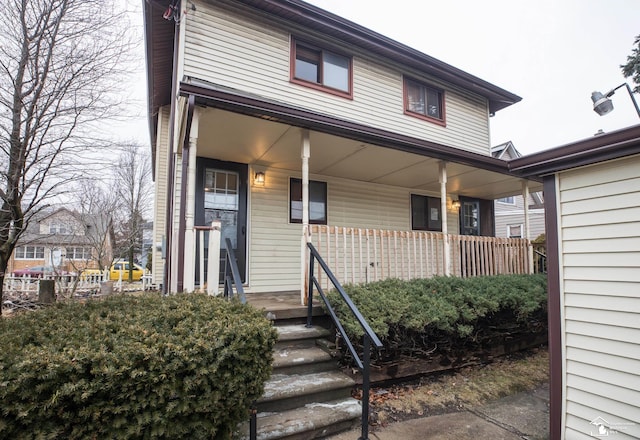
{"x":603,"y":105}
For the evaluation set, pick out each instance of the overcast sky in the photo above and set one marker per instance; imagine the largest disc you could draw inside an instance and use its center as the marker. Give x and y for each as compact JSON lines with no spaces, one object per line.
{"x":552,"y":53}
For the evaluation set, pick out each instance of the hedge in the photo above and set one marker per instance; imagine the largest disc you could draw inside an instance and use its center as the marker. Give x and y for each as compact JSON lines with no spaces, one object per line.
{"x":413,"y":317}
{"x":185,"y":366}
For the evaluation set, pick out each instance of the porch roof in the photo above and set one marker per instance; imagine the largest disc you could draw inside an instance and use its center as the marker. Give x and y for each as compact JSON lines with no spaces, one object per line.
{"x":247,"y":129}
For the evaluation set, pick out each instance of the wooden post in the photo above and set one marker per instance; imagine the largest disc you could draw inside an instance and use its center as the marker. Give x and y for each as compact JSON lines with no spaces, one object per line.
{"x":305,"y":153}
{"x":442,"y":167}
{"x":527,"y":225}
{"x":213,"y":259}
{"x":47,"y":291}
{"x":189,"y":275}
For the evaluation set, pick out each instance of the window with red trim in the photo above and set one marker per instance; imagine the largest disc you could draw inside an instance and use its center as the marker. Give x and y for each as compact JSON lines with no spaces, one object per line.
{"x":320,"y":68}
{"x":423,"y":101}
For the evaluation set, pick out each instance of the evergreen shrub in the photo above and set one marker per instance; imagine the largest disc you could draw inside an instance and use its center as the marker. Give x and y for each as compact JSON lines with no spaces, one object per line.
{"x":185,"y":366}
{"x":447,"y":313}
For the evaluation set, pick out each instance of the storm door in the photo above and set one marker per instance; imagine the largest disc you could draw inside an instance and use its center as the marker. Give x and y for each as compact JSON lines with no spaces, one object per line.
{"x":222,"y":196}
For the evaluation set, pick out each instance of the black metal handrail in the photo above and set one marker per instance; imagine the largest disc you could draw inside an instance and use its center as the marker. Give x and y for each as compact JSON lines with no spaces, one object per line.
{"x":232,"y":274}
{"x":231,"y":278}
{"x":368,"y":338}
{"x":540,"y":262}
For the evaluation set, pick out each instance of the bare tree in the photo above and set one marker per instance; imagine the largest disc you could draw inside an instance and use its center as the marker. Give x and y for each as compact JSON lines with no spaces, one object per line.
{"x":97,"y":204}
{"x":60,"y":63}
{"x":133,"y":186}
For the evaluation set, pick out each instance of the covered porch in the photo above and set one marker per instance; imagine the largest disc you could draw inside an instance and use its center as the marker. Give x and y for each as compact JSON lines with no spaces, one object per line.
{"x":375,"y":204}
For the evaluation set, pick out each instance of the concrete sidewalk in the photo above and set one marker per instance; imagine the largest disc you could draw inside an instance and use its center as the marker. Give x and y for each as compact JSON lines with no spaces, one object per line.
{"x":520,"y":416}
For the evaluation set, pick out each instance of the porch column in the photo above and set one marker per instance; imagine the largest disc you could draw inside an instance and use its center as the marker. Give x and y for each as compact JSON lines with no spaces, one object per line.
{"x":190,"y":232}
{"x":527,"y":228}
{"x":442,"y":167}
{"x":306,"y":152}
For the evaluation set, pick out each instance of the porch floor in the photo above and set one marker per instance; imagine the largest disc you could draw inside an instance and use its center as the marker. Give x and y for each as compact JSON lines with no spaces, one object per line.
{"x":284,"y":305}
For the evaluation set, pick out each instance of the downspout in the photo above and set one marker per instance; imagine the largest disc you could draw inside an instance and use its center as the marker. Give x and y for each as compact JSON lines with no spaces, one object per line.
{"x":183,"y":192}
{"x":554,"y":307}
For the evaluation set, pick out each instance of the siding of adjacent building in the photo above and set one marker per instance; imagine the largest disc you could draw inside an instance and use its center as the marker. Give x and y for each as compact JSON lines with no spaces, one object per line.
{"x":274,"y":252}
{"x":247,"y":53}
{"x":599,"y":225}
{"x":513,"y":214}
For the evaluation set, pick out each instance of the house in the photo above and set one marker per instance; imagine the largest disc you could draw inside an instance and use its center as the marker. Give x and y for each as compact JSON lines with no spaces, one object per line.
{"x":66,"y":240}
{"x":510,"y":210}
{"x":288,"y":124}
{"x":592,"y":208}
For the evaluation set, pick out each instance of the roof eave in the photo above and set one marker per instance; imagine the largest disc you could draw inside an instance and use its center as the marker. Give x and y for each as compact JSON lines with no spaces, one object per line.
{"x":608,"y":146}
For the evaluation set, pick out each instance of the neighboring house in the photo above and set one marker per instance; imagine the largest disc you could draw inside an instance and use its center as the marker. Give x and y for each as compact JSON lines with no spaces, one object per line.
{"x":510,"y":218}
{"x":289,"y":124}
{"x":592,"y":203}
{"x":65,"y":240}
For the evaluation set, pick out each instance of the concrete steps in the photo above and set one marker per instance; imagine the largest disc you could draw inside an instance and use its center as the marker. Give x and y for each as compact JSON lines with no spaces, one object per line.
{"x":307,"y":396}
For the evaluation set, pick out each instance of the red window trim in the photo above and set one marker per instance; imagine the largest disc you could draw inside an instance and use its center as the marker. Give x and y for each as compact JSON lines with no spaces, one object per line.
{"x":316,"y":86}
{"x":442,"y":122}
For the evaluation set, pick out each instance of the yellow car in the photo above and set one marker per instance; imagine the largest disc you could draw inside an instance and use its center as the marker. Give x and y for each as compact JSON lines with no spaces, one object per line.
{"x":122,"y":267}
{"x":117,"y":268}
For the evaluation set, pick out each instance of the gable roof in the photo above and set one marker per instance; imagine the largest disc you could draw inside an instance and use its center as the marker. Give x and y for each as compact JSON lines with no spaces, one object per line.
{"x":507,"y":151}
{"x":159,"y":36}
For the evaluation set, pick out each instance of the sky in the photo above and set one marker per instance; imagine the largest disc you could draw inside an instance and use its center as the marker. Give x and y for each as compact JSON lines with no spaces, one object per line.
{"x":552,"y":53}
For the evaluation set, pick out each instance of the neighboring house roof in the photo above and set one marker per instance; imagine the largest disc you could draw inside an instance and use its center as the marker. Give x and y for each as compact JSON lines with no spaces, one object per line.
{"x":507,"y":151}
{"x":160,"y":57}
{"x":94,"y":225}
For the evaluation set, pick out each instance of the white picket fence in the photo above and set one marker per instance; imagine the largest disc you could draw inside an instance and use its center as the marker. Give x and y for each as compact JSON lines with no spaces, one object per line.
{"x":67,"y":286}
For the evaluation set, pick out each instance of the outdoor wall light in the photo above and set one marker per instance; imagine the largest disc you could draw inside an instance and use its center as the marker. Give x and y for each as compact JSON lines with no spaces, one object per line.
{"x":258,"y":178}
{"x":455,"y":204}
{"x":603,"y":105}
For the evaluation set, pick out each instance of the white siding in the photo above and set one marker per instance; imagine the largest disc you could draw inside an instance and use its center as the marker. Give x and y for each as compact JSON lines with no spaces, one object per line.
{"x":160,"y":196}
{"x":244,"y":52}
{"x":274,"y":250}
{"x":599,"y":224}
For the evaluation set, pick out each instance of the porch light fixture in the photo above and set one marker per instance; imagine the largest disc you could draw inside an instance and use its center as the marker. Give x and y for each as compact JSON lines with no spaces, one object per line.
{"x":455,"y":204}
{"x":258,"y":178}
{"x":603,"y":105}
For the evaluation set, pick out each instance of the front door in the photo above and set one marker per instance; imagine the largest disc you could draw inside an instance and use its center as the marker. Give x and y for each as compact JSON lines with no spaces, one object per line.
{"x":222,"y":195}
{"x":469,"y":217}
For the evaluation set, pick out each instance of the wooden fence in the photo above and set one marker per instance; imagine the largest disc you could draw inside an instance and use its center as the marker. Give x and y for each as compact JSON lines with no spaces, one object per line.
{"x":359,"y":255}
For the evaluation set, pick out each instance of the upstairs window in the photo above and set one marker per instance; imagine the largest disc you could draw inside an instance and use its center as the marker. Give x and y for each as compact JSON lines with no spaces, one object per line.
{"x":426,"y":213}
{"x":423,"y":101}
{"x":60,"y":228}
{"x":322,"y":69}
{"x":508,"y":200}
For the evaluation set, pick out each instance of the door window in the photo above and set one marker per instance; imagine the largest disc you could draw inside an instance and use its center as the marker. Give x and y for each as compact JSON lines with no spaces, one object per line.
{"x":221,"y":202}
{"x":470,"y":217}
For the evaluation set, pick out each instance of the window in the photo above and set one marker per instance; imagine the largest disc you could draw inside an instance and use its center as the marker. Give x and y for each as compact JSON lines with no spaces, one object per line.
{"x":78,"y":253}
{"x":317,"y":202}
{"x":29,"y":253}
{"x":508,"y":200}
{"x":514,"y":231}
{"x":321,"y":69}
{"x":426,"y":213}
{"x":470,"y":217}
{"x":60,"y":228}
{"x":423,"y":101}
